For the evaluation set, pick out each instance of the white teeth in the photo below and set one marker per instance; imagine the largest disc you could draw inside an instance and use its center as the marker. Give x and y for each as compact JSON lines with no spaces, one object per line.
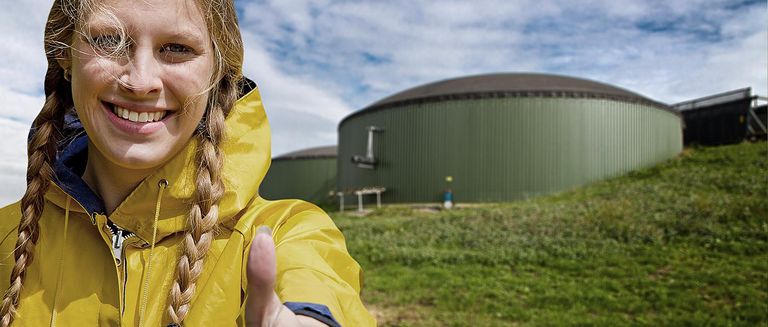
{"x":139,"y":117}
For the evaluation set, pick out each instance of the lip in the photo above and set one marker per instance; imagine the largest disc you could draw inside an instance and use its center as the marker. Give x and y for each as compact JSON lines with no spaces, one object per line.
{"x":135,"y":128}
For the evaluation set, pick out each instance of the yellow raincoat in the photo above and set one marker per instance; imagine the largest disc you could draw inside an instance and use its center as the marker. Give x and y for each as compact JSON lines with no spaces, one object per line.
{"x":82,"y":276}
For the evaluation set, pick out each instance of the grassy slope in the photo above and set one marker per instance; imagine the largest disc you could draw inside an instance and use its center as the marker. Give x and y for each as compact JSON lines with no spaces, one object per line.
{"x":682,"y":243}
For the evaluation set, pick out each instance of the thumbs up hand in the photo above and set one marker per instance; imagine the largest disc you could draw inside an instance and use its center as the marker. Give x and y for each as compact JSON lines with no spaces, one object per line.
{"x":263,"y":307}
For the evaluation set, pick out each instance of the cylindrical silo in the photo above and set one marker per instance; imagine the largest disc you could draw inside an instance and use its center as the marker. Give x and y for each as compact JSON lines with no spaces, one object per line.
{"x":502,"y":137}
{"x":308,"y":174}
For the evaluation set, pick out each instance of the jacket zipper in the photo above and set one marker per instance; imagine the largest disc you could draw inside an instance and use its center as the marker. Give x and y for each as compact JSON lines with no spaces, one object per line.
{"x":119,"y":237}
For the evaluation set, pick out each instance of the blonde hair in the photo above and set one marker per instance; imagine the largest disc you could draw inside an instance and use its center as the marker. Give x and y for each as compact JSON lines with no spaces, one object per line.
{"x":68,"y":17}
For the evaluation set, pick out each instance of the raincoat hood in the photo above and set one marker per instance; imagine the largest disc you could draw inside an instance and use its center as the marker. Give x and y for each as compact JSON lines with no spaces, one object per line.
{"x":246,"y":151}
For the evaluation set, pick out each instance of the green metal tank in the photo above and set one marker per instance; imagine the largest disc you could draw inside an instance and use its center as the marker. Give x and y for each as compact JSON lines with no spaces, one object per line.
{"x":502,"y":137}
{"x":308,"y":174}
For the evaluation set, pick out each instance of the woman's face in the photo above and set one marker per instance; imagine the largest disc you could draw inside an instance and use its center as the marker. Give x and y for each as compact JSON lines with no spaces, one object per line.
{"x":141,"y":106}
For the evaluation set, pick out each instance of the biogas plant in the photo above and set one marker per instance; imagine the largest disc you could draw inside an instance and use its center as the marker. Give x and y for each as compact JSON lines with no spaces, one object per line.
{"x":486,"y":138}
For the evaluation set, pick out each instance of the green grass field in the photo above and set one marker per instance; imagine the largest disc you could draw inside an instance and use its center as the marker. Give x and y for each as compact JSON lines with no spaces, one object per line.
{"x":684,"y":243}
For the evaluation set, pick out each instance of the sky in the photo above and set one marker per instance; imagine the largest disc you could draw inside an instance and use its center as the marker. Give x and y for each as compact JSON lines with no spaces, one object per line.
{"x":317,"y":61}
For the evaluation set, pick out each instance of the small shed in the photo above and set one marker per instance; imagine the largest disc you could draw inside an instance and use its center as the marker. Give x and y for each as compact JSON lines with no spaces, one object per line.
{"x":716,"y":119}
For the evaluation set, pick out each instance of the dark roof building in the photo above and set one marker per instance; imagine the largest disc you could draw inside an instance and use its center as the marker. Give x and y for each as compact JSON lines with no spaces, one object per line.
{"x":717,"y":119}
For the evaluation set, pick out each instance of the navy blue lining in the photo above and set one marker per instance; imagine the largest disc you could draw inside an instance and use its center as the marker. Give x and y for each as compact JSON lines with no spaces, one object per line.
{"x":313,"y":310}
{"x":69,"y":168}
{"x":246,"y":86}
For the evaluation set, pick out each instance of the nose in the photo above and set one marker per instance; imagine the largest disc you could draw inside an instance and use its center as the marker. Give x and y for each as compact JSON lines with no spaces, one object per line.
{"x":141,"y":75}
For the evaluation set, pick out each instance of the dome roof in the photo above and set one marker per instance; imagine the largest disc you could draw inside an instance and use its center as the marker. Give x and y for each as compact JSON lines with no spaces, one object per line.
{"x":310,"y":153}
{"x":510,"y":85}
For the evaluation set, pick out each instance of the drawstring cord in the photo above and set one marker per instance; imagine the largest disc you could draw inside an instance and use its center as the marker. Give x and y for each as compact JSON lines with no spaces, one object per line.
{"x":145,"y":284}
{"x":61,"y":263}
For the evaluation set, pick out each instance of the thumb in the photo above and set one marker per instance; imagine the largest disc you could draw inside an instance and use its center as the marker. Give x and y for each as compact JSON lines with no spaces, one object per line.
{"x":261,"y":271}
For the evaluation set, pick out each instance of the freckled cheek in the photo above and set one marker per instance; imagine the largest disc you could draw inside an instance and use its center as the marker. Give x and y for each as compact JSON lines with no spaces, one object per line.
{"x":196,"y":74}
{"x":188,"y":83}
{"x":96,"y":75}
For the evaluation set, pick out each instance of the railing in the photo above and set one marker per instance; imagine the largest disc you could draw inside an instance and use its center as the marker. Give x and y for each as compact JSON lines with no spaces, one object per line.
{"x":360,"y":192}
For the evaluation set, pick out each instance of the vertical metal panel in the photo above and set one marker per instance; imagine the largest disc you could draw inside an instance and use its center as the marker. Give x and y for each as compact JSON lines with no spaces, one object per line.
{"x":722,"y":123}
{"x":313,"y":180}
{"x":500,"y":149}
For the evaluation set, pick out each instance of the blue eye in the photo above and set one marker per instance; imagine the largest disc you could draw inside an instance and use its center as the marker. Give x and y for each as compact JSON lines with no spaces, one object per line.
{"x":177,"y":53}
{"x":176,"y":48}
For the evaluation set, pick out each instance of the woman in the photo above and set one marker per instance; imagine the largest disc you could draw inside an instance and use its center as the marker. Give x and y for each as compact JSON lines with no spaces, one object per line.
{"x":151,"y":216}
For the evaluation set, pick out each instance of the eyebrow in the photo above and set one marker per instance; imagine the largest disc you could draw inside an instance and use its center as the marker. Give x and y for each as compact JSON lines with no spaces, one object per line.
{"x":191,"y":38}
{"x":186,"y":34}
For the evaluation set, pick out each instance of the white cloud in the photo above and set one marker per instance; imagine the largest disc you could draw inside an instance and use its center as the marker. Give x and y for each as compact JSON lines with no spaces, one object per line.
{"x":19,"y":106}
{"x":13,"y":167}
{"x":738,"y":64}
{"x":21,"y":74}
{"x":301,"y":113}
{"x":21,"y":34}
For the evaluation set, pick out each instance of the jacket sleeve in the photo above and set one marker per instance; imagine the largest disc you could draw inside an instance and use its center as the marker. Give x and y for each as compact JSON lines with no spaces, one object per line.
{"x":316,"y":276}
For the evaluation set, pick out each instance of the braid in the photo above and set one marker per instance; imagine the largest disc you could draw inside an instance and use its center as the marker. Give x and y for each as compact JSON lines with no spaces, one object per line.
{"x":42,"y":153}
{"x":41,"y":149}
{"x":204,"y":215}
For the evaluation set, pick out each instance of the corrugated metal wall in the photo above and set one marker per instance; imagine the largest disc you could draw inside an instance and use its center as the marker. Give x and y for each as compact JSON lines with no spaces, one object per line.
{"x":307,"y":179}
{"x":500,"y":149}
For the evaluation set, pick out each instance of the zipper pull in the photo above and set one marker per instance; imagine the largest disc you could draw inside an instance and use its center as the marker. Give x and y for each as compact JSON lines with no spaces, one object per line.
{"x":117,"y":245}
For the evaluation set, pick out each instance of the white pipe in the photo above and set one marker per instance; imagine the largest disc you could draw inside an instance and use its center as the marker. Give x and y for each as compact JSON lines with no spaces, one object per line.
{"x":341,"y":201}
{"x":369,"y":151}
{"x":359,"y":201}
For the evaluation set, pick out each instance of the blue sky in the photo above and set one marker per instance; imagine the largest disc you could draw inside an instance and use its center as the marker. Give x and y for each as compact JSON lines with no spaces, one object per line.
{"x":317,"y":61}
{"x":361,"y":51}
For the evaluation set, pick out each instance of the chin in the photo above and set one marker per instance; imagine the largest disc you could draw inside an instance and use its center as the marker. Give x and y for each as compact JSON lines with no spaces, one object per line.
{"x":141,"y":160}
{"x":139,"y":163}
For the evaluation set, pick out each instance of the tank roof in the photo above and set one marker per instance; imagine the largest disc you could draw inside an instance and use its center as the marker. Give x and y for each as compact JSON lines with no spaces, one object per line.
{"x":310,"y":153}
{"x":502,"y":85}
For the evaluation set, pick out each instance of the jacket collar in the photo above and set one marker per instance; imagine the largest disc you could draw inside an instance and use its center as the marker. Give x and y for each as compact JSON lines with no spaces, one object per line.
{"x":247,"y":157}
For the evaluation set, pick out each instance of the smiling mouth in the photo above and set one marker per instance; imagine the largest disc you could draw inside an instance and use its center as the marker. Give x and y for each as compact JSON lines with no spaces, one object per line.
{"x":136,"y":116}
